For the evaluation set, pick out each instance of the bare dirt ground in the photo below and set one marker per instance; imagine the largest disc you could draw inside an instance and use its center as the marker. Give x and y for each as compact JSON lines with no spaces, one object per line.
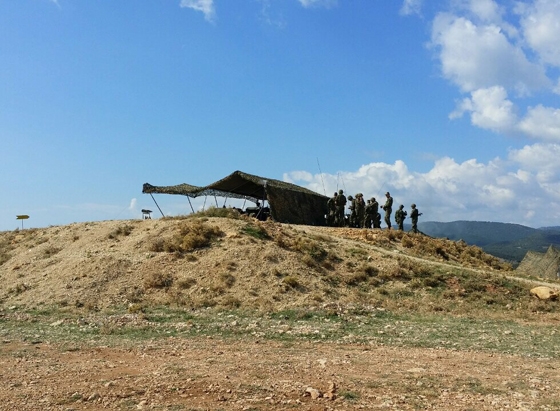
{"x":98,"y":267}
{"x":209,"y":374}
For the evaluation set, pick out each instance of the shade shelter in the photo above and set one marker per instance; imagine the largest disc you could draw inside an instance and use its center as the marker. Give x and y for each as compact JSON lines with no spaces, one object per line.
{"x":289,"y":203}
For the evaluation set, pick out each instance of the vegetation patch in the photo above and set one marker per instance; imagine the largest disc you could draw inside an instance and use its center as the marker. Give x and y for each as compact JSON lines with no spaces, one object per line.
{"x":257,"y":231}
{"x":192,"y":234}
{"x":123,"y":230}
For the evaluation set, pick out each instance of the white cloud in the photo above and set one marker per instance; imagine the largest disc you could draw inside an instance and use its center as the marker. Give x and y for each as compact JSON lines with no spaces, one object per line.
{"x":540,"y":22}
{"x":318,"y":3}
{"x":411,"y":7}
{"x":542,"y":123}
{"x":490,"y":109}
{"x":485,"y":10}
{"x":540,"y":156}
{"x":132,"y":206}
{"x":480,"y":56}
{"x":523,"y":189}
{"x":204,"y":6}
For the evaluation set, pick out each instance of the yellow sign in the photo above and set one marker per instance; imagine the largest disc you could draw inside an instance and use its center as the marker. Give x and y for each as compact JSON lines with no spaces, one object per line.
{"x":22,"y":217}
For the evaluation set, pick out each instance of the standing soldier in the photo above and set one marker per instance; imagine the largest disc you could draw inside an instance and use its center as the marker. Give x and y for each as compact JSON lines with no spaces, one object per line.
{"x":352,"y":208}
{"x":414,"y":217}
{"x":340,"y":205}
{"x":368,"y":220}
{"x":388,"y":207}
{"x":375,"y":212}
{"x":360,"y":211}
{"x":400,"y":215}
{"x":331,"y":206}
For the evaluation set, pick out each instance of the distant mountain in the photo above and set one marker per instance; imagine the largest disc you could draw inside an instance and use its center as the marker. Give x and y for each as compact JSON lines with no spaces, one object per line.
{"x":505,"y":240}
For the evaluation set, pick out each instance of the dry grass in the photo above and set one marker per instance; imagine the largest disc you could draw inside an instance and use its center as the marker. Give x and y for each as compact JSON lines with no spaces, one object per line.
{"x":158,"y":280}
{"x":192,"y":234}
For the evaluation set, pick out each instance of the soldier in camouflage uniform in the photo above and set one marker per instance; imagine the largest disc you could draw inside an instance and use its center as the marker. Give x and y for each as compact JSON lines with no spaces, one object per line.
{"x":360,"y":210}
{"x":375,"y":212}
{"x":368,"y":220}
{"x":414,"y":214}
{"x":352,"y":208}
{"x":340,"y":206}
{"x":400,"y":215}
{"x":331,"y":207}
{"x":388,"y":207}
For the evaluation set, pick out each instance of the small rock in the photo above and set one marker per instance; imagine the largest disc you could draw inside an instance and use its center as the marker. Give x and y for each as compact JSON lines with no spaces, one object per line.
{"x":313,"y":393}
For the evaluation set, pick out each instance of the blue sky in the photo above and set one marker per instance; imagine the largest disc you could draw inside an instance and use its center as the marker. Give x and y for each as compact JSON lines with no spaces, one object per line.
{"x":451,"y":104}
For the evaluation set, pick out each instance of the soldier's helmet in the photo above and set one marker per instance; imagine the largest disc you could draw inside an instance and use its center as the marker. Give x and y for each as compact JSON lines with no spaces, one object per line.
{"x":387,"y":193}
{"x":373,"y":199}
{"x":413,"y":205}
{"x":401,"y":206}
{"x":340,"y":192}
{"x":350,"y":198}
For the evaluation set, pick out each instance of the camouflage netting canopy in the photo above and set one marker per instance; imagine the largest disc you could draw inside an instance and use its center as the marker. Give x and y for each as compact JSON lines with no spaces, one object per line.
{"x":289,"y":203}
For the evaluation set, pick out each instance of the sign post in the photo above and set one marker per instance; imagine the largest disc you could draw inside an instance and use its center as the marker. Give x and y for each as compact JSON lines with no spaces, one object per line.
{"x":22,"y":217}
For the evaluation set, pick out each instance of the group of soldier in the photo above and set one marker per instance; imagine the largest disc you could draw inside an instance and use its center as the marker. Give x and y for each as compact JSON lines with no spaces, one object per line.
{"x":365,"y":214}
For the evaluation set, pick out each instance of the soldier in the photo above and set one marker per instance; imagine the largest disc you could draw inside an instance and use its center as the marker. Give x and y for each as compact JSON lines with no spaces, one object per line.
{"x":369,"y":217}
{"x":360,"y":211}
{"x":331,"y":207}
{"x":400,"y":215}
{"x":388,"y":207}
{"x":414,"y":214}
{"x":377,"y":221}
{"x":340,"y":206}
{"x":375,"y":212}
{"x":352,"y":208}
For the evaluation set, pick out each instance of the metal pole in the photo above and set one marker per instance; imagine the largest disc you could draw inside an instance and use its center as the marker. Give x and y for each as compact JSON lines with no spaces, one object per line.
{"x":188,"y":198}
{"x":163,"y":215}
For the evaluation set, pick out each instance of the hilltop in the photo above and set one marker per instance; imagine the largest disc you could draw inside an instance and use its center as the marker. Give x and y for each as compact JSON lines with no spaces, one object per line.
{"x":221,"y":311}
{"x":229,"y":261}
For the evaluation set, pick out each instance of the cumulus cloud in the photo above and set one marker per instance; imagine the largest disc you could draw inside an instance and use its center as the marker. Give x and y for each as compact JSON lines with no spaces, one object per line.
{"x":204,"y":6}
{"x":480,"y":56}
{"x":500,"y":63}
{"x":490,"y":109}
{"x":542,"y":123}
{"x":541,"y":28}
{"x":523,"y":188}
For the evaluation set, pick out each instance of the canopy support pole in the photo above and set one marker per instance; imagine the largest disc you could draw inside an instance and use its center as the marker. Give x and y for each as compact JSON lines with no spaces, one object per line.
{"x":188,"y":198}
{"x":157,"y":205}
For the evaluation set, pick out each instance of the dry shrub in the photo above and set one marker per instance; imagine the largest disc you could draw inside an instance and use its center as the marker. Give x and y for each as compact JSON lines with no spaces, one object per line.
{"x":193,"y":234}
{"x":227,"y":279}
{"x":185,"y":283}
{"x":407,"y":242}
{"x":158,"y":280}
{"x":292,"y":281}
{"x":123,"y":230}
{"x":50,"y":251}
{"x":362,"y":275}
{"x":256,"y":230}
{"x":230,"y":301}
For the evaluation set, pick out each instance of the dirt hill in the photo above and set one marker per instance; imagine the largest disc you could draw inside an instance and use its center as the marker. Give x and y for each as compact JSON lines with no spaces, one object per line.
{"x":115,"y":315}
{"x":236,"y":262}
